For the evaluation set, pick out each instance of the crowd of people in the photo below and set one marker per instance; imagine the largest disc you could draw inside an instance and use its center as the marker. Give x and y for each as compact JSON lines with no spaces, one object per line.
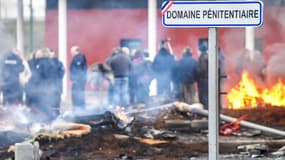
{"x":38,"y":82}
{"x":185,"y":79}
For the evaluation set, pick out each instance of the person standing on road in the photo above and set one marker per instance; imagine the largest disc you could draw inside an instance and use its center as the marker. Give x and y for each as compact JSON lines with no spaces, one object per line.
{"x":121,"y":66}
{"x":57,"y":72}
{"x":12,"y":66}
{"x":188,"y":76}
{"x":78,"y":70}
{"x":162,"y":66}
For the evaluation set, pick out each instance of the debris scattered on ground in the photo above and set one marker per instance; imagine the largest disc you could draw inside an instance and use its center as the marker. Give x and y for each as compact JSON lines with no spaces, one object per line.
{"x":254,"y":150}
{"x":164,"y":133}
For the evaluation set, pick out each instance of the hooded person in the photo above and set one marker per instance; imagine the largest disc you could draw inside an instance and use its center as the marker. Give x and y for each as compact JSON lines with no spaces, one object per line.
{"x":188,"y":75}
{"x":162,"y":66}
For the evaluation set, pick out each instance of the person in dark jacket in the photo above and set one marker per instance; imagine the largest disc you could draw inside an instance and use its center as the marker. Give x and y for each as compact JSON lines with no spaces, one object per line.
{"x":203,"y":78}
{"x":45,"y":86}
{"x":12,"y":66}
{"x":188,"y":75}
{"x":203,"y":89}
{"x":121,"y":66}
{"x":176,"y":81}
{"x":31,"y":88}
{"x":162,"y":66}
{"x":78,"y":71}
{"x":141,"y":70}
{"x":42,"y":88}
{"x":222,"y":67}
{"x":57,"y":73}
{"x":115,"y":51}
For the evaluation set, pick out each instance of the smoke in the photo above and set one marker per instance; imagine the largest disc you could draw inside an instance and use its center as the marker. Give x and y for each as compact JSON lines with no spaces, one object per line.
{"x":14,"y":119}
{"x":276,"y":14}
{"x":273,"y":32}
{"x":16,"y":115}
{"x":275,"y":48}
{"x":15,"y":124}
{"x":275,"y":68}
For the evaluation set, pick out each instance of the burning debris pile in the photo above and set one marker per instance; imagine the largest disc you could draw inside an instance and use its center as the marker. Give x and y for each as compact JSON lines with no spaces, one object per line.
{"x":170,"y":131}
{"x":247,"y":95}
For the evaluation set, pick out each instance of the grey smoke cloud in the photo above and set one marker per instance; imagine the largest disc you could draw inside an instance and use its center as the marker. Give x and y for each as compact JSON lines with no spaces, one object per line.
{"x":275,"y":68}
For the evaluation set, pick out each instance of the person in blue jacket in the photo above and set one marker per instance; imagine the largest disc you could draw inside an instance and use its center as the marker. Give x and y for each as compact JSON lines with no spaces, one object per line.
{"x":188,"y":75}
{"x":162,"y":66}
{"x":12,"y":66}
{"x":57,"y":72}
{"x":78,"y":70}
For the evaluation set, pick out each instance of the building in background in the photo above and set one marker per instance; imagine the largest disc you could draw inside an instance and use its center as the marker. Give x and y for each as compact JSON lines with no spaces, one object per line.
{"x":100,"y":25}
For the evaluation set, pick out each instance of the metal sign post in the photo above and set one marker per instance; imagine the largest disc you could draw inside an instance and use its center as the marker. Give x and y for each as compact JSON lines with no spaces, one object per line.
{"x":212,"y":14}
{"x":213,"y":120}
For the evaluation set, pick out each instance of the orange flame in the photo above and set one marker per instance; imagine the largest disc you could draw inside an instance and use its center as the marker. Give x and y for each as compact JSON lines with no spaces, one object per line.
{"x":121,"y":115}
{"x":246,"y":95}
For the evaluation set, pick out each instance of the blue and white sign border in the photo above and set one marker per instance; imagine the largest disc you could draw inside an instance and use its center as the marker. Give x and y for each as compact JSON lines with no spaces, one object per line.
{"x":167,"y":4}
